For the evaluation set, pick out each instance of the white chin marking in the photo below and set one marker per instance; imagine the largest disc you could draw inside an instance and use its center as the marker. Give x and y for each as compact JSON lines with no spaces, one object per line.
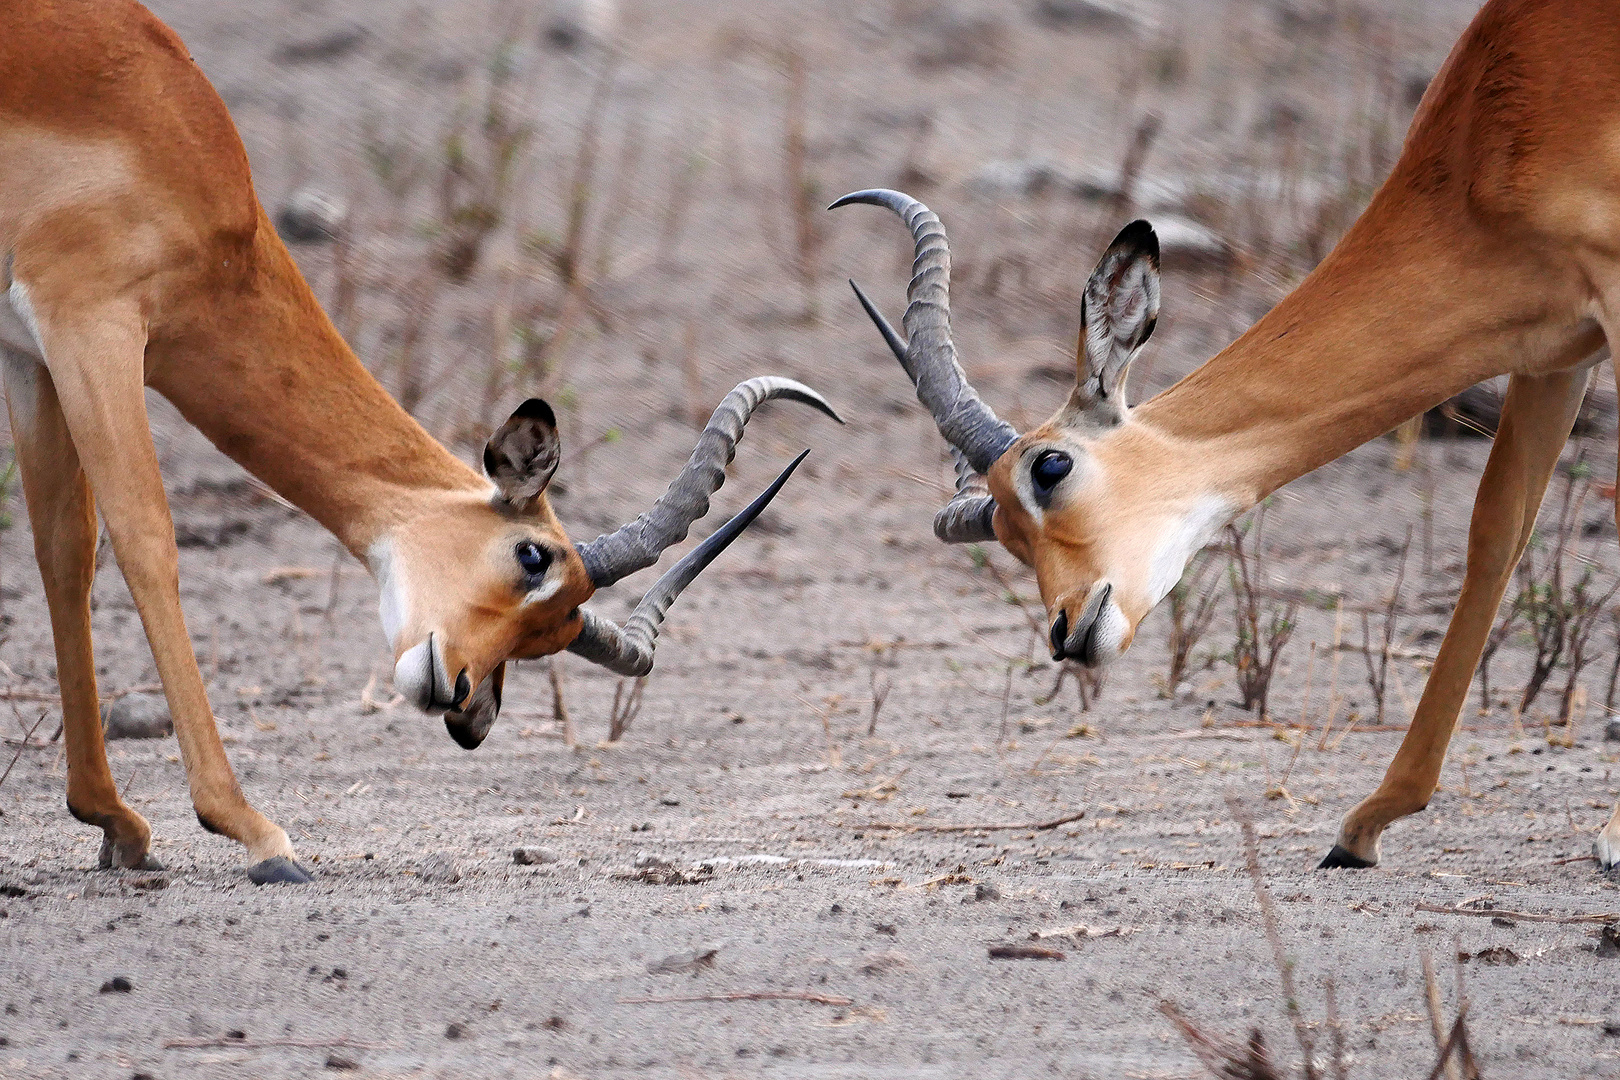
{"x":415,"y":675}
{"x":1109,"y":636}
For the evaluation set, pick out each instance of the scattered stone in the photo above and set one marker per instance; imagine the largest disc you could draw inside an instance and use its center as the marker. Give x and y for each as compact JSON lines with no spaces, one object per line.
{"x":665,"y":874}
{"x":1611,"y":1028}
{"x":1093,"y":16}
{"x":978,"y":41}
{"x":323,"y":48}
{"x":579,"y":24}
{"x":1608,"y":945}
{"x":670,"y":800}
{"x":681,"y":963}
{"x":886,"y":929}
{"x":341,"y":1063}
{"x":1026,"y":952}
{"x":1611,"y":731}
{"x":882,"y":963}
{"x":137,"y":716}
{"x":1496,"y":954}
{"x":1506,"y":924}
{"x":118,"y":984}
{"x":16,"y":892}
{"x":311,"y":217}
{"x":984,"y":891}
{"x":439,"y":867}
{"x":455,"y":1031}
{"x":533,"y":856}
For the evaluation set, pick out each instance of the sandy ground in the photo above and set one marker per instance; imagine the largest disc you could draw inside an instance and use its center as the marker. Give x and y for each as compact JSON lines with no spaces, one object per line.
{"x":760,"y":830}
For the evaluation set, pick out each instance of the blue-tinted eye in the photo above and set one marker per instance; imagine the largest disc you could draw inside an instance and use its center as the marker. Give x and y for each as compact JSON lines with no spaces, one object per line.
{"x":533,"y":558}
{"x":1051,"y":467}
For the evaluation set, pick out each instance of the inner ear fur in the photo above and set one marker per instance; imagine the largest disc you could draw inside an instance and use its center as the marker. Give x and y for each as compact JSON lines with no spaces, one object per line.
{"x":1118,"y":312}
{"x":522,"y":456}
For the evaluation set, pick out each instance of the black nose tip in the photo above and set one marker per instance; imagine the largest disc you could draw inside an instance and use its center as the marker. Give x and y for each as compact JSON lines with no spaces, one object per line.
{"x":463,"y":688}
{"x":1060,"y":634}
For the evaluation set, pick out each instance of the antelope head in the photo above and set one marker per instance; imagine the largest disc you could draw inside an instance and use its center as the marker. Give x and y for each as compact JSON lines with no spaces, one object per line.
{"x":487,"y":576}
{"x":1091,"y":499}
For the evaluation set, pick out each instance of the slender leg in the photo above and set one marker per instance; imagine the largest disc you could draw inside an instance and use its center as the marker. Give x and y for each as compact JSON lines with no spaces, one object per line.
{"x":1536,"y":419}
{"x":1607,"y":847}
{"x":96,"y":357}
{"x":63,"y":515}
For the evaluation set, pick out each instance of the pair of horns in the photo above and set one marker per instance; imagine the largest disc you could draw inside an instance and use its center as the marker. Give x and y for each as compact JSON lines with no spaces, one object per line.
{"x":1125,"y":277}
{"x":628,"y":650}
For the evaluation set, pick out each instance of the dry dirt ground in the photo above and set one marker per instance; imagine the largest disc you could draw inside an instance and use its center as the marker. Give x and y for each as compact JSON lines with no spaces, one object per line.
{"x":763,"y":828}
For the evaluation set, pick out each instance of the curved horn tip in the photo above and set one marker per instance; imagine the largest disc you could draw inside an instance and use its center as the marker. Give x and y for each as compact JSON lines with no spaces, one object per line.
{"x":886,"y":197}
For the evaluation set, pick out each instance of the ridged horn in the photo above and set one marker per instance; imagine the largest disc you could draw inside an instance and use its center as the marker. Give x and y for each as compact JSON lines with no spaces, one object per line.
{"x":628,"y":650}
{"x":929,"y":355}
{"x":637,"y":545}
{"x":966,"y":519}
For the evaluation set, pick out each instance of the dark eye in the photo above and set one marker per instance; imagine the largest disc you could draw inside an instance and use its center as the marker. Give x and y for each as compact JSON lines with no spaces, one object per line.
{"x":533,"y":558}
{"x":1049,"y":468}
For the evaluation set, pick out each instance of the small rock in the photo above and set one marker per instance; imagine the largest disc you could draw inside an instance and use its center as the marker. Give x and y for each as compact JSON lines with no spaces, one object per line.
{"x":1506,"y":924}
{"x":1611,"y":731}
{"x":533,"y":856}
{"x":578,"y":24}
{"x":455,"y":1031}
{"x":118,"y":984}
{"x":439,"y":867}
{"x":1497,"y":954}
{"x":670,"y":800}
{"x":985,"y":891}
{"x":683,"y":962}
{"x":1609,"y":941}
{"x":311,"y":217}
{"x":1096,"y":16}
{"x":339,"y":1062}
{"x":882,"y":963}
{"x":1611,"y":1028}
{"x":324,"y":48}
{"x":137,"y":716}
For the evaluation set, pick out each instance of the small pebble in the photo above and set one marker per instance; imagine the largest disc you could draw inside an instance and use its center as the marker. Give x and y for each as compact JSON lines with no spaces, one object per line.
{"x":337,"y":1061}
{"x":117,"y":985}
{"x":986,"y":891}
{"x":455,"y":1031}
{"x":1611,"y":731}
{"x":137,"y":716}
{"x":533,"y":856}
{"x":439,"y":867}
{"x":670,"y":800}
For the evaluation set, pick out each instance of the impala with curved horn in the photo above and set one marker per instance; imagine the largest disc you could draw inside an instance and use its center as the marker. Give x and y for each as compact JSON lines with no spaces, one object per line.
{"x":133,"y":253}
{"x":1492,"y":248}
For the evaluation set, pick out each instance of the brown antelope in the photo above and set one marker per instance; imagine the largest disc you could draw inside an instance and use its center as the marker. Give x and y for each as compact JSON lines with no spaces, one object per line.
{"x":133,"y":252}
{"x":1493,"y":248}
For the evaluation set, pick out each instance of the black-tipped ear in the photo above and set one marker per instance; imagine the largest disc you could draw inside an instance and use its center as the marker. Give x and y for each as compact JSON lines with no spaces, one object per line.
{"x":522,"y":455}
{"x":1118,"y":313}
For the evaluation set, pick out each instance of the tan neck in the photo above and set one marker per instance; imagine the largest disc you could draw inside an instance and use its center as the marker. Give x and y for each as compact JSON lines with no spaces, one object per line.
{"x":268,"y":379}
{"x":1409,"y":309}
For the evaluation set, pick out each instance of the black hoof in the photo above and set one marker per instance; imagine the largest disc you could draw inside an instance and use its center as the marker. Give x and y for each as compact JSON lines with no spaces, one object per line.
{"x":108,"y":860}
{"x":1341,"y":859}
{"x":278,"y":871}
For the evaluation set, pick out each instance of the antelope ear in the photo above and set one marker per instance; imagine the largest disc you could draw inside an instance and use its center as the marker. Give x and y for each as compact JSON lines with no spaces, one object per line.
{"x":1117,"y":316}
{"x":522,"y":455}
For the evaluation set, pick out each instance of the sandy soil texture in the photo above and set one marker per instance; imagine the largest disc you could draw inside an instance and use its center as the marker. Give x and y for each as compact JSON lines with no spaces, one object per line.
{"x":850,"y":778}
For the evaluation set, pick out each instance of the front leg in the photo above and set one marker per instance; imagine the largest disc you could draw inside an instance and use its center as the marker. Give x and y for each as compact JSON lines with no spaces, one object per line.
{"x":96,"y":355}
{"x":1537,"y":415}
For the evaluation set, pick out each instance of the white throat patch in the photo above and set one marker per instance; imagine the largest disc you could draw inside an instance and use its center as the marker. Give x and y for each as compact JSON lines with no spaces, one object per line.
{"x":1201,"y":525}
{"x":392,"y":605}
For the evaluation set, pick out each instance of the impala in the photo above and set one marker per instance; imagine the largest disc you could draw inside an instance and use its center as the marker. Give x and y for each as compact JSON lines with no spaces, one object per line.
{"x":1493,"y":248}
{"x":133,"y":252}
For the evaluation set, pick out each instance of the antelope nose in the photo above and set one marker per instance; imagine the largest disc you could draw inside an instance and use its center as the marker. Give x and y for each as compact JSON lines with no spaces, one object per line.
{"x":1079,"y":642}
